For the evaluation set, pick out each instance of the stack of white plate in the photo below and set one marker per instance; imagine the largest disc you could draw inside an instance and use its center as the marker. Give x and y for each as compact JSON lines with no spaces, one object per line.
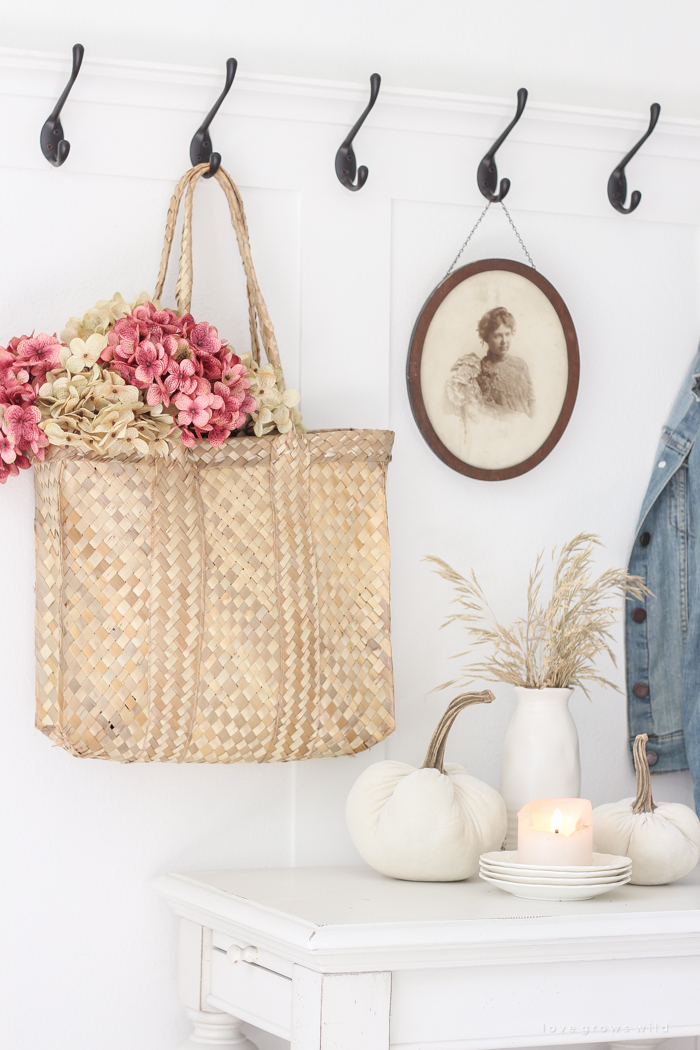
{"x":549,"y":882}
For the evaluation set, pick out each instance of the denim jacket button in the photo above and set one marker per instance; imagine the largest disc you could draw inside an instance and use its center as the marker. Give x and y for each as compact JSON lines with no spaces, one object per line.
{"x":639,"y":615}
{"x":652,"y":758}
{"x":645,"y":539}
{"x":641,"y":690}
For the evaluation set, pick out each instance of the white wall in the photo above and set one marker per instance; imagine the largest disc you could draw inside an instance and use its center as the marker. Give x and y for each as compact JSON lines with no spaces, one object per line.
{"x":88,"y":953}
{"x":616,"y":56}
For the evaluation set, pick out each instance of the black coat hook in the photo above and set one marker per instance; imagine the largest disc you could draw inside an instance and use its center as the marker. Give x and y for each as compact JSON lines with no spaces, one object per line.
{"x":487,"y":173}
{"x":345,"y":162}
{"x":200,"y":146}
{"x":53,"y":145}
{"x":617,"y":183}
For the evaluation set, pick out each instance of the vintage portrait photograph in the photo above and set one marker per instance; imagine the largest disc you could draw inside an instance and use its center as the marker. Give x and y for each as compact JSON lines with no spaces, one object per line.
{"x":493,"y":369}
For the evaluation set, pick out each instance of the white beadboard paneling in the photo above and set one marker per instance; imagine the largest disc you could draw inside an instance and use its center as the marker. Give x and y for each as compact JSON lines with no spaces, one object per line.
{"x":345,"y":253}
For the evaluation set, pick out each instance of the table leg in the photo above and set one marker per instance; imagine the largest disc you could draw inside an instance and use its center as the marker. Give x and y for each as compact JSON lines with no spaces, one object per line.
{"x":215,"y":1030}
{"x":340,"y":1011}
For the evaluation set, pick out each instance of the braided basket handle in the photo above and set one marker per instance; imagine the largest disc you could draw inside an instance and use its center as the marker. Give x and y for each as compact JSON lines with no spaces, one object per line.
{"x":261,"y":327}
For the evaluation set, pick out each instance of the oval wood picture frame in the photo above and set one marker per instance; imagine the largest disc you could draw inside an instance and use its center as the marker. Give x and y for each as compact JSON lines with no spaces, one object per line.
{"x":497,"y":410}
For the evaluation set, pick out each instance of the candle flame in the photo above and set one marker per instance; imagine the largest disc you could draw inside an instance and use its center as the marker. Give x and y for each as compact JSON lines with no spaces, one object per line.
{"x":557,"y":821}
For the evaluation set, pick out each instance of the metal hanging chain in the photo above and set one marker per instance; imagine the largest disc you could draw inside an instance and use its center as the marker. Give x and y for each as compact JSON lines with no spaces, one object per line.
{"x":522,"y":245}
{"x":457,"y":256}
{"x":474,"y":229}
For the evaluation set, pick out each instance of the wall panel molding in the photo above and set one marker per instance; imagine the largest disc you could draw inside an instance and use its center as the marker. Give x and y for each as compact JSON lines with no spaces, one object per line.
{"x":157,"y":85}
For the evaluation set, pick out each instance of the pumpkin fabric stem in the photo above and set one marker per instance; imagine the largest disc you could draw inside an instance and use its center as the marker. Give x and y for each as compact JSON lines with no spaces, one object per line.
{"x":643,"y":803}
{"x":436,"y":748}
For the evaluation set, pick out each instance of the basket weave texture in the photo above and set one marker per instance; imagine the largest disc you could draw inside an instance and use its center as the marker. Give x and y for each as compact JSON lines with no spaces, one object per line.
{"x":219,"y":605}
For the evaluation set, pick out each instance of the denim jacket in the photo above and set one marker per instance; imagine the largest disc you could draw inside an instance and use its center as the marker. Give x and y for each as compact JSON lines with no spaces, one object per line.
{"x":662,"y":633}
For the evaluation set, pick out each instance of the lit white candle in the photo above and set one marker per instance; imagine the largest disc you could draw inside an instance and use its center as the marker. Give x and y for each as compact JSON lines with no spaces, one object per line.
{"x":556,"y":831}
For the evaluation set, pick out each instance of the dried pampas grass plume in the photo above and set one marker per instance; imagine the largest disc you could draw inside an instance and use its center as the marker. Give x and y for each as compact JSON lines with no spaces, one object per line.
{"x":555,"y":645}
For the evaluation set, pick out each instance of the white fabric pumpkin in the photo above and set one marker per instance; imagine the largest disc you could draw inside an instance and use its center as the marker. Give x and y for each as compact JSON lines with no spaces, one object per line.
{"x":662,"y":841}
{"x":430,"y":824}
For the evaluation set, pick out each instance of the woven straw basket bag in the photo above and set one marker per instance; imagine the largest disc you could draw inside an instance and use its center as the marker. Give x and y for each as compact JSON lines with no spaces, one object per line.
{"x":224,"y":604}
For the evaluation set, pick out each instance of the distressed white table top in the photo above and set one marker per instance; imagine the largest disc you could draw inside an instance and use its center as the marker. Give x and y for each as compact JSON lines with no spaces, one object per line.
{"x":347,"y":911}
{"x":348,"y":896}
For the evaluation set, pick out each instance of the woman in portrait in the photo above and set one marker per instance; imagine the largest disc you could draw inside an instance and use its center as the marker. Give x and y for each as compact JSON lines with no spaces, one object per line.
{"x":499,"y":381}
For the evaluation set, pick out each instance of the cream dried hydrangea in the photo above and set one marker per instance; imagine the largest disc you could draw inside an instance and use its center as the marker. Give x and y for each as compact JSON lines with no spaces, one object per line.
{"x":276,"y":403}
{"x":93,"y":409}
{"x":101,"y":318}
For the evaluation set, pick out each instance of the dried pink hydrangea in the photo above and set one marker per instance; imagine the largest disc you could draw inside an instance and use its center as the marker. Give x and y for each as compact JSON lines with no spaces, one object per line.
{"x":175,"y":359}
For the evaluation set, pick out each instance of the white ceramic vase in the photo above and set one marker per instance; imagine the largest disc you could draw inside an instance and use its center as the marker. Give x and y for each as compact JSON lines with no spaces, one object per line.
{"x":540,"y":753}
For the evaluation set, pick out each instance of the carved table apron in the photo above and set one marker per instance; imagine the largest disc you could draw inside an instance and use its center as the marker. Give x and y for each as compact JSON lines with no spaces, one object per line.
{"x":347,"y":959}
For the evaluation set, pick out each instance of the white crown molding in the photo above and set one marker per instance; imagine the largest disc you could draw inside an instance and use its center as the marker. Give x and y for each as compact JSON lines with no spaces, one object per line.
{"x":34,"y":74}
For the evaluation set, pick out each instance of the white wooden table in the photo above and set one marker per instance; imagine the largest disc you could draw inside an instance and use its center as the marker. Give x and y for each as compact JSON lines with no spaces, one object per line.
{"x":346,"y":959}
